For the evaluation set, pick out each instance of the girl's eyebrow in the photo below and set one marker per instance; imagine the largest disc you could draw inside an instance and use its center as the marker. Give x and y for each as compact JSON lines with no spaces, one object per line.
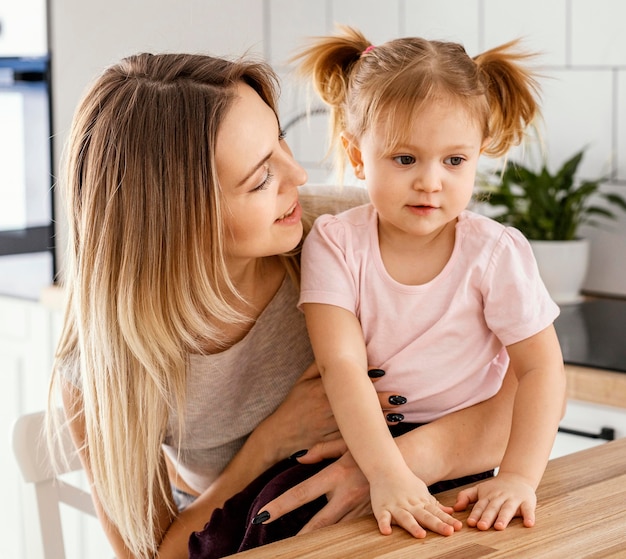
{"x":254,"y":170}
{"x":410,"y":147}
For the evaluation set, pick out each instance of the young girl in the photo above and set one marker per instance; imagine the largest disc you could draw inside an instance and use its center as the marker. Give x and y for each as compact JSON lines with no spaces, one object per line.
{"x":414,"y":284}
{"x":184,"y":365}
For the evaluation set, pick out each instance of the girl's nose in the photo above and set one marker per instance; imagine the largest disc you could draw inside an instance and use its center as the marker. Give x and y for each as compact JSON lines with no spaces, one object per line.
{"x":427,"y":179}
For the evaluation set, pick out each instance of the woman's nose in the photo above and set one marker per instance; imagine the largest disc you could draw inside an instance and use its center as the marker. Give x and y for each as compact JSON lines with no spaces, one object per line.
{"x":295,"y":173}
{"x":300,"y":174}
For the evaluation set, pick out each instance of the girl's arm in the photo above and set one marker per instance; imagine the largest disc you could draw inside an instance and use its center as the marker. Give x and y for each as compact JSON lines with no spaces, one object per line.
{"x":398,"y":496}
{"x":461,"y":443}
{"x":303,"y":419}
{"x":538,"y":409}
{"x":538,"y":404}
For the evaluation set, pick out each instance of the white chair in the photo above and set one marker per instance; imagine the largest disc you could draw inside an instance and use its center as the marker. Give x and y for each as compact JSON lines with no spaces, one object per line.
{"x":33,"y":458}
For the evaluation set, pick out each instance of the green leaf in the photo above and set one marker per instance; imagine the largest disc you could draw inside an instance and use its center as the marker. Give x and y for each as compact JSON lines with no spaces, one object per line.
{"x":546,"y":206}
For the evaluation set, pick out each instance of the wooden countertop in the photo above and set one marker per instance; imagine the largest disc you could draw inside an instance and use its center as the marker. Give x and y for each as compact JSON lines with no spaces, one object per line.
{"x":581,"y":513}
{"x":597,"y":386}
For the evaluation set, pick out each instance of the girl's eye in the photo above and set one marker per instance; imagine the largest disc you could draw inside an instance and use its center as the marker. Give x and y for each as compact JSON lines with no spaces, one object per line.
{"x":266,"y":181}
{"x":404,"y":159}
{"x":455,"y":160}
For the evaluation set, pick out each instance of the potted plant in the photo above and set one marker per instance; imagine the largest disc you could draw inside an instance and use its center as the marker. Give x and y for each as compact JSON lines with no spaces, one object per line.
{"x":549,"y":208}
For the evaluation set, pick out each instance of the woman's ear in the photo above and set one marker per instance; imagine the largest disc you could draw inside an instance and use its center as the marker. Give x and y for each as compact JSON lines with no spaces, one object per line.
{"x":354,"y":155}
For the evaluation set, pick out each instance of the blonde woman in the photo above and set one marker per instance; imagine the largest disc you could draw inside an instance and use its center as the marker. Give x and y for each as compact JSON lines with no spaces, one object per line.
{"x":184,"y":366}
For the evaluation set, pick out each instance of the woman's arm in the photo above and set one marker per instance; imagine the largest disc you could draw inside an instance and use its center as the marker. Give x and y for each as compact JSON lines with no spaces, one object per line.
{"x":72,"y":404}
{"x":464,"y":442}
{"x":302,"y":420}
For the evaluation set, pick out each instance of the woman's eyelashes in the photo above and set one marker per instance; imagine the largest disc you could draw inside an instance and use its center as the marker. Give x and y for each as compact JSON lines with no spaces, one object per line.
{"x":267,"y":179}
{"x":269,"y":176}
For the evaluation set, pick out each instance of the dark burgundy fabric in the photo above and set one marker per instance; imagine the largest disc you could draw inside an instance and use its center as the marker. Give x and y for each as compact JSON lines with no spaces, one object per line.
{"x":230,"y":529}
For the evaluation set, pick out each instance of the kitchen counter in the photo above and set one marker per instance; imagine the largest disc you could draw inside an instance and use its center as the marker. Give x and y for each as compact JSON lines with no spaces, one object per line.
{"x":593,"y":334}
{"x":593,"y":340}
{"x":605,"y":387}
{"x":581,"y":513}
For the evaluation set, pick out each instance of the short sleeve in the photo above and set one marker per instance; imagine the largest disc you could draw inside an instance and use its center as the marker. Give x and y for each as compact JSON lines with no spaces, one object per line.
{"x":328,"y":274}
{"x":516,"y":301}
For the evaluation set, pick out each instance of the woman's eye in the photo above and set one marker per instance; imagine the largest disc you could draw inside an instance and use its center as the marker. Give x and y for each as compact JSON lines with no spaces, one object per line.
{"x":455,"y":160}
{"x":404,"y":159}
{"x":281,"y":134}
{"x":266,"y":181}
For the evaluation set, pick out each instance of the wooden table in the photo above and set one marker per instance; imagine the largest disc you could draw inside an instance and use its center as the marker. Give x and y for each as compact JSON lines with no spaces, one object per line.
{"x":581,"y":515}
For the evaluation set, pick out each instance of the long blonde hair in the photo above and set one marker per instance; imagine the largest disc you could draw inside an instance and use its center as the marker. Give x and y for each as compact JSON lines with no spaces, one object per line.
{"x":145,"y":278}
{"x":364,"y":85}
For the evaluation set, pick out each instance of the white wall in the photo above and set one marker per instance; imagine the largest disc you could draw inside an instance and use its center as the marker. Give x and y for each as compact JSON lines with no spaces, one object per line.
{"x":582,"y":41}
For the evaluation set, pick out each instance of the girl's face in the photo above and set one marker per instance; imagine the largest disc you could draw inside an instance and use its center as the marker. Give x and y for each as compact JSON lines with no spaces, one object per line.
{"x":259,"y":178}
{"x":426,"y":181}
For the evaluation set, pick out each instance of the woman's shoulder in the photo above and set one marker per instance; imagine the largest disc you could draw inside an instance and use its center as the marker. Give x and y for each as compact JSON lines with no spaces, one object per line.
{"x":330,"y":199}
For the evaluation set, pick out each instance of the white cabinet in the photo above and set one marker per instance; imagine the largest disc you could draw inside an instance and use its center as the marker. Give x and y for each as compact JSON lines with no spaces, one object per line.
{"x":23,"y":28}
{"x":588,"y":418}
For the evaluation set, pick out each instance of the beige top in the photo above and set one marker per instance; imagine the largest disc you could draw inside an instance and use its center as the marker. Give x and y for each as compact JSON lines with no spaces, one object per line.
{"x":231,"y":392}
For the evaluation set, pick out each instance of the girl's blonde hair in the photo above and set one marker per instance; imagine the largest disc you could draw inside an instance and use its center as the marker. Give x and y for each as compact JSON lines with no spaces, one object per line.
{"x":146,"y":278}
{"x":366,"y":85}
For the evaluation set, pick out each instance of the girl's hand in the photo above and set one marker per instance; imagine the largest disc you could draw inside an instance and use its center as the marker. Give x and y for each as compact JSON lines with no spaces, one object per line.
{"x":498,"y":500}
{"x":403,"y":499}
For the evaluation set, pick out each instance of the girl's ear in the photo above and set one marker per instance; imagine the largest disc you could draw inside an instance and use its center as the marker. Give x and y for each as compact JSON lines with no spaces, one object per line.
{"x":484,"y":145}
{"x":354,"y":155}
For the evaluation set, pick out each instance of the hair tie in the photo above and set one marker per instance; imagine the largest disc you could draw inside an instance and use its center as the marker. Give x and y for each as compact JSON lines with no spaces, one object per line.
{"x":367,"y":50}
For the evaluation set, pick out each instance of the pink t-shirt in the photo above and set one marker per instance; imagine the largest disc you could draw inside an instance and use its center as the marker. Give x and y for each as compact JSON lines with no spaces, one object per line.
{"x":440,"y":343}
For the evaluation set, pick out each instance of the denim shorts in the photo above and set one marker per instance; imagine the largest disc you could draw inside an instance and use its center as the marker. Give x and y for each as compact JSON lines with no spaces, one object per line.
{"x":182,"y":498}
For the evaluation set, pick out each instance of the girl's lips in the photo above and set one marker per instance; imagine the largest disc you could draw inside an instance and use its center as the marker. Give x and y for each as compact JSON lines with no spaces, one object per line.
{"x":292,"y":216}
{"x":422,"y":210}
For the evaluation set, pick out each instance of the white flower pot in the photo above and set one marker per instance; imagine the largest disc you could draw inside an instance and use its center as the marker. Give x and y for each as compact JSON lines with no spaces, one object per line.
{"x":563,"y":267}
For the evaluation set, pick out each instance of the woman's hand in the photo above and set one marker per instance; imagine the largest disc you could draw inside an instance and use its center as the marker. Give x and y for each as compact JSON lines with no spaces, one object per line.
{"x":343,"y":483}
{"x":304,"y":421}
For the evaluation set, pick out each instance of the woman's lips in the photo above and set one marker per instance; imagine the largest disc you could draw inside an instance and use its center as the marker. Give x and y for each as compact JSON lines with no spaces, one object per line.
{"x":291,"y":216}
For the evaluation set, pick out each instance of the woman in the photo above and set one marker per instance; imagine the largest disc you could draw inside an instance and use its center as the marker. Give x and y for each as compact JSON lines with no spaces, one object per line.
{"x":184,"y":366}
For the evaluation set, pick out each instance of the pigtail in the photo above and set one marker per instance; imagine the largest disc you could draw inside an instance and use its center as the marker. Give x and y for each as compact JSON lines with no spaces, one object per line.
{"x":328,"y":62}
{"x":512,"y":91}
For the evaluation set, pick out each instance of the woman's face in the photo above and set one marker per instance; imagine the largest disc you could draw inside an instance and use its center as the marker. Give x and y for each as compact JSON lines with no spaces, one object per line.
{"x":259,"y":178}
